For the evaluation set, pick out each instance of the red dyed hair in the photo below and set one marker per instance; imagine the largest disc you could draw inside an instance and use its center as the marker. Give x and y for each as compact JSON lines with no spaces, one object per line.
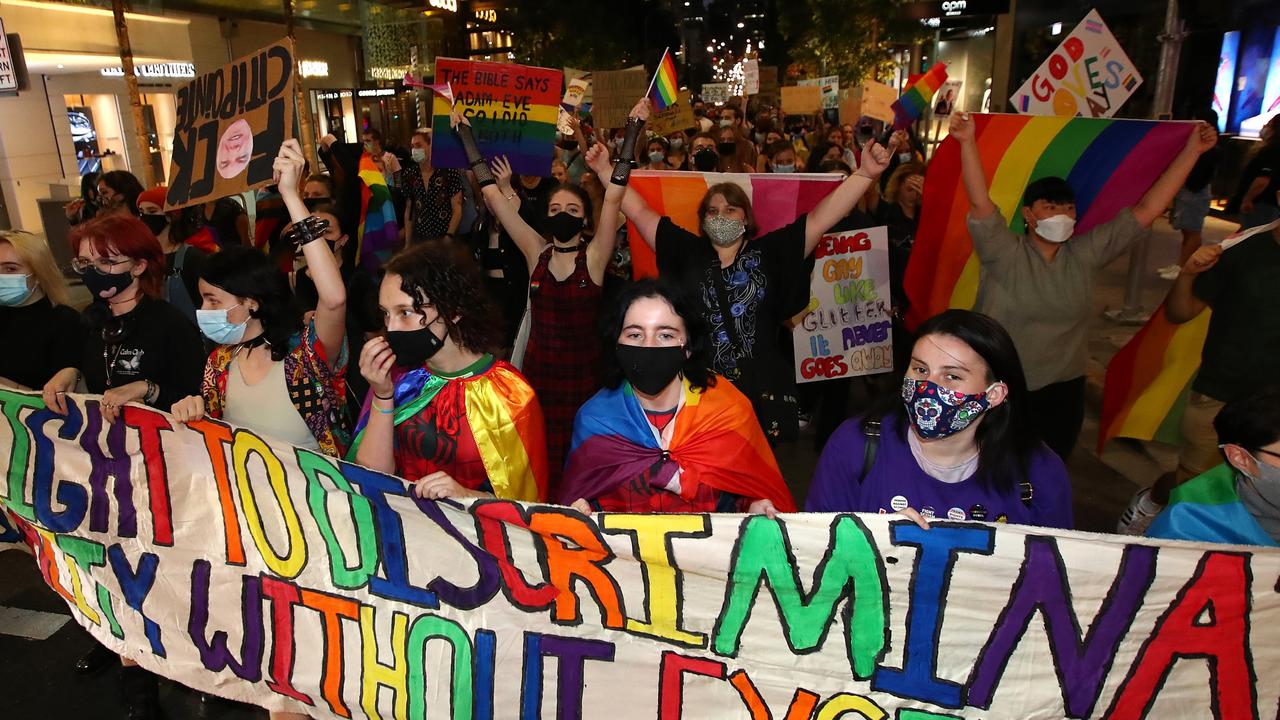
{"x":127,"y":236}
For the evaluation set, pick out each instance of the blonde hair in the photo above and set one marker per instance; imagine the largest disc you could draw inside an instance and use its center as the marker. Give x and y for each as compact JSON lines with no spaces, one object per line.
{"x":35,"y":254}
{"x":903,"y":172}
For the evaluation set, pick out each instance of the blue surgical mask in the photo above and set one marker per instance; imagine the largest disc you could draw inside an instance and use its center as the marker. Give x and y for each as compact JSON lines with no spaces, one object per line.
{"x":784,"y":168}
{"x":14,"y":290}
{"x":215,"y":326}
{"x":418,"y":154}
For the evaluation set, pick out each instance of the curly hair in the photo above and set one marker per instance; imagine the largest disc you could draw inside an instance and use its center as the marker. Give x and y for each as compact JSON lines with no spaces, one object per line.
{"x":697,"y":367}
{"x":446,"y":278}
{"x":246,"y":273}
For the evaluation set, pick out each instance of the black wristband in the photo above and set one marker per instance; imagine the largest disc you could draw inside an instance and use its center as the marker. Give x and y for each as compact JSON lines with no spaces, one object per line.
{"x":305,"y":231}
{"x":389,"y":397}
{"x":621,"y":173}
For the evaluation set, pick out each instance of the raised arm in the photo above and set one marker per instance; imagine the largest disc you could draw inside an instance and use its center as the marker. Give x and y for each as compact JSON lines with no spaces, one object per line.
{"x":975,"y":181}
{"x":1156,"y":201}
{"x":331,"y":310}
{"x":1182,"y":305}
{"x":840,"y":203}
{"x":600,"y":251}
{"x":498,"y":200}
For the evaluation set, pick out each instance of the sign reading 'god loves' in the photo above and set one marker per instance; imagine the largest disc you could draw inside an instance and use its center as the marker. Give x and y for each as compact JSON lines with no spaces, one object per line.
{"x":230,"y":126}
{"x":273,"y":575}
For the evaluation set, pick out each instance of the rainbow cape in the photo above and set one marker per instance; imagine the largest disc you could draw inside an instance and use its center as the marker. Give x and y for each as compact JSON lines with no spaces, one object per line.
{"x":1109,"y":163}
{"x":776,"y":199}
{"x":911,"y":105}
{"x":1207,"y":508}
{"x":663,"y":91}
{"x":379,"y":233}
{"x":1149,"y":380}
{"x":716,"y":441}
{"x":504,"y":417}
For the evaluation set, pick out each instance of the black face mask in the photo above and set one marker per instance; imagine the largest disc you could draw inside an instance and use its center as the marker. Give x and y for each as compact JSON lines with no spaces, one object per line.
{"x":569,"y":145}
{"x":156,"y":222}
{"x":705,"y":160}
{"x":98,"y":283}
{"x":563,"y":226}
{"x":650,"y":369}
{"x":413,"y":347}
{"x":727,"y":148}
{"x":313,"y":203}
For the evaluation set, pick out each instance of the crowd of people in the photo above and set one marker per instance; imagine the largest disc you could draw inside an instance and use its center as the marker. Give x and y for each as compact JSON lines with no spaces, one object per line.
{"x":503,"y":352}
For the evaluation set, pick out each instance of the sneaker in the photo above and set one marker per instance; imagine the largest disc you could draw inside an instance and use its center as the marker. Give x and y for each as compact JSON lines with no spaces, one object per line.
{"x":1138,"y":516}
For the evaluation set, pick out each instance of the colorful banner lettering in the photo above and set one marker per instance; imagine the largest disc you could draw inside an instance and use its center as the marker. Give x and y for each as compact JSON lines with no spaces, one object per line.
{"x":512,"y":109}
{"x":269,"y":574}
{"x":1089,"y":75}
{"x":847,"y":329}
{"x":230,"y":125}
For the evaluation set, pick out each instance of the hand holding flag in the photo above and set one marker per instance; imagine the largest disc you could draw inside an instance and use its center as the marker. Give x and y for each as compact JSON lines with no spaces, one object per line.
{"x":663,"y":91}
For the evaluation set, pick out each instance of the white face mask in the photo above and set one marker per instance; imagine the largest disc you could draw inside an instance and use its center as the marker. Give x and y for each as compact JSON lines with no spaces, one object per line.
{"x":1056,"y":229}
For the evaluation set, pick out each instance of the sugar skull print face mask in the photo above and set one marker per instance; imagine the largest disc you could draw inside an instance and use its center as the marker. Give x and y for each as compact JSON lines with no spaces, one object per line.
{"x":937,"y":412}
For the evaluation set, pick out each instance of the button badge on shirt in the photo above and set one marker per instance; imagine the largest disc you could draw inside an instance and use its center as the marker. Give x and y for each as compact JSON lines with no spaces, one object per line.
{"x":898,"y":503}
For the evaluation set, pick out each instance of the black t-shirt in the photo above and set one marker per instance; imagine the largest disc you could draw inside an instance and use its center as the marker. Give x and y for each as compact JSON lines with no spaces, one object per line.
{"x":154,"y":341}
{"x":767,"y":284}
{"x":1244,"y":333}
{"x":1266,"y":163}
{"x":41,"y":339}
{"x":902,"y":235}
{"x":1202,"y":173}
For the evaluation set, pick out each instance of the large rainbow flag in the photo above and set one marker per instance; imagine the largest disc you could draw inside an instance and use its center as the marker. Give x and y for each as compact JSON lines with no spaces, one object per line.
{"x":663,"y":91}
{"x":513,"y":111}
{"x":379,"y":233}
{"x":1109,"y":163}
{"x":776,"y":199}
{"x":911,"y":105}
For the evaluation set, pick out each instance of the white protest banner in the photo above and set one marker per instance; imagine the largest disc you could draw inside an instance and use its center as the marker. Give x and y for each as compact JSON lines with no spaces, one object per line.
{"x":230,"y":125}
{"x":846,"y":330}
{"x":830,"y":86}
{"x":269,"y":574}
{"x":750,"y":77}
{"x":1089,"y":75}
{"x":716,"y":93}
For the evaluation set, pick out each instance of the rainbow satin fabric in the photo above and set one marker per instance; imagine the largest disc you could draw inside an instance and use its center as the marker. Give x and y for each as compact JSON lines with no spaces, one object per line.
{"x":379,"y":234}
{"x":1109,"y":164}
{"x":911,"y":105}
{"x":777,"y":199}
{"x":665,"y":92}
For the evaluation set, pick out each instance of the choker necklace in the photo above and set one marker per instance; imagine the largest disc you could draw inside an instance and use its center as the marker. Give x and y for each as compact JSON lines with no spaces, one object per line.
{"x":113,"y":301}
{"x":560,"y":249}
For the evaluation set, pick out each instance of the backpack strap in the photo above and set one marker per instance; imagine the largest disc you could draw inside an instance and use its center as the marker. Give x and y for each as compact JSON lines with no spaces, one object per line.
{"x":179,"y":258}
{"x":871,"y":444}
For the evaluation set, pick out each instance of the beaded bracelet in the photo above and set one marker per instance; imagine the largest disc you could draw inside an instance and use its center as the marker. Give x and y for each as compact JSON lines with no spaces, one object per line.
{"x":305,"y":231}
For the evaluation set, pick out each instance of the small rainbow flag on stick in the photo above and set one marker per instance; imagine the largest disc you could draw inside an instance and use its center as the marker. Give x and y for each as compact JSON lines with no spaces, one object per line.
{"x":908,"y":108}
{"x":663,"y":91}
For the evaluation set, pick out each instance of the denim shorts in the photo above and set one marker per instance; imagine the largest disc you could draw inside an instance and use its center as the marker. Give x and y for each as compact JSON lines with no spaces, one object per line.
{"x":1190,"y":209}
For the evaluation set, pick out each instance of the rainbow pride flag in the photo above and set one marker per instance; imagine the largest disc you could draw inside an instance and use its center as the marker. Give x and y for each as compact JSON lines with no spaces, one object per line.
{"x":663,"y":91}
{"x":1149,"y":380}
{"x":379,"y":233}
{"x":776,"y":199}
{"x":513,"y":111}
{"x":1109,"y":163}
{"x":911,"y":105}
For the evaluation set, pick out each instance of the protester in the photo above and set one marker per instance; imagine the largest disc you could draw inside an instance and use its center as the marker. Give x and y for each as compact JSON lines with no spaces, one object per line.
{"x":138,"y":349}
{"x":570,"y":149}
{"x":656,"y":155}
{"x":733,"y":151}
{"x":779,"y":157}
{"x":748,"y":286}
{"x":1243,"y":337}
{"x":116,"y":193}
{"x":388,"y":164}
{"x":442,"y":412}
{"x":182,"y":262}
{"x":270,"y":372}
{"x":433,"y":196}
{"x":1191,"y":204}
{"x":84,"y":207}
{"x":1260,"y":181}
{"x":318,"y":187}
{"x":1237,"y":502}
{"x":899,"y":212}
{"x":836,"y":137}
{"x":664,"y":435}
{"x":36,"y":318}
{"x":559,"y":172}
{"x":704,"y":156}
{"x":959,"y":445}
{"x":826,"y":152}
{"x":1040,"y":285}
{"x":566,"y":278}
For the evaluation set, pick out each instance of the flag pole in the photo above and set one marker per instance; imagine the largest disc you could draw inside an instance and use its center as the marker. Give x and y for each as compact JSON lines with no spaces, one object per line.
{"x":654,"y":81}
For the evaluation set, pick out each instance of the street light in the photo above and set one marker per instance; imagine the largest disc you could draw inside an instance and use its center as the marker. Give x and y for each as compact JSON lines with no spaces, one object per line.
{"x":742,"y":25}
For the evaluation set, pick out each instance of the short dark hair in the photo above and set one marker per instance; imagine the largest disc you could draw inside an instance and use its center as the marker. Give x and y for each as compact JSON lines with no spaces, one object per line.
{"x":697,"y":367}
{"x":1251,"y":421}
{"x":735,"y":196}
{"x":125,"y":183}
{"x":325,"y":180}
{"x":831,"y":166}
{"x":248,"y":273}
{"x":1208,"y":115}
{"x":588,"y":207}
{"x":1049,"y":189}
{"x":779,"y":146}
{"x":374,"y":133}
{"x":446,"y":277}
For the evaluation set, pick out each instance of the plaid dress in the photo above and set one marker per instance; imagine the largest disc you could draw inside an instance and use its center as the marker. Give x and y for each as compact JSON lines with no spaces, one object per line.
{"x":562,"y":361}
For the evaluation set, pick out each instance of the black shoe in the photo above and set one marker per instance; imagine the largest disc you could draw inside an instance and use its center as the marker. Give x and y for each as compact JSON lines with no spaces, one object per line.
{"x":140,"y":694}
{"x":96,"y":660}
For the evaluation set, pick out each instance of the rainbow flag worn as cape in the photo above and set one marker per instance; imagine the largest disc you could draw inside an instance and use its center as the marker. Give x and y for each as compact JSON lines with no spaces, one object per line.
{"x":379,"y":233}
{"x":1207,"y":508}
{"x":777,"y":199}
{"x":716,"y":441}
{"x":663,"y":91}
{"x":911,"y":105}
{"x":1109,"y":164}
{"x":504,"y":417}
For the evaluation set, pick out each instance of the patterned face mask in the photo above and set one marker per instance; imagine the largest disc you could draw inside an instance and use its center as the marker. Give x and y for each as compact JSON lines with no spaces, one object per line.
{"x":937,"y":412}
